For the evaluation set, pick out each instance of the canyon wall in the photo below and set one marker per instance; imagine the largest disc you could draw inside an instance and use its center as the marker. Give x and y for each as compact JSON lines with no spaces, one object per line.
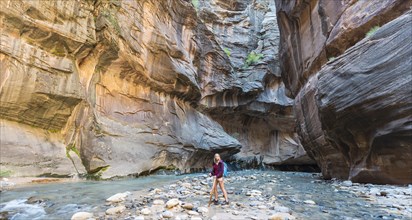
{"x":348,"y":66}
{"x":116,"y":88}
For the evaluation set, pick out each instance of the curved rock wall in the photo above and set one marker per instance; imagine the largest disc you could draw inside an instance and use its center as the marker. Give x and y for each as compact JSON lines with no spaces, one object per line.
{"x":353,"y":112}
{"x":117,"y":88}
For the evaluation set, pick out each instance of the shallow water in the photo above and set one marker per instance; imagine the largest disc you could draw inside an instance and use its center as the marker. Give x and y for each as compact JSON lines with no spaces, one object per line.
{"x":291,"y":189}
{"x":62,"y":200}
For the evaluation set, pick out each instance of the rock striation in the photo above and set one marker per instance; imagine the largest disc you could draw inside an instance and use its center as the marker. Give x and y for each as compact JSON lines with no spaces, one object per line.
{"x":353,"y":112}
{"x":116,"y":88}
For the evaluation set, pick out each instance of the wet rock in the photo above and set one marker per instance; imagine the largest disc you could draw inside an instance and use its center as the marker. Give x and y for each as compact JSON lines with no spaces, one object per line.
{"x":347,"y":183}
{"x":116,"y":210}
{"x":172,"y":203}
{"x":119,"y":197}
{"x":309,"y":202}
{"x":82,"y":216}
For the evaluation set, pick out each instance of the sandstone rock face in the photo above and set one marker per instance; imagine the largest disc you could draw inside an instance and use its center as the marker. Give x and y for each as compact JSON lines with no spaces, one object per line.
{"x":118,"y":88}
{"x":313,"y":31}
{"x":353,"y":114}
{"x":257,"y":113}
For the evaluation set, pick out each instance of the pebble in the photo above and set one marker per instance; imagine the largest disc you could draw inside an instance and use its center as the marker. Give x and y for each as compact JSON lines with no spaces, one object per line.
{"x":145,"y":211}
{"x":188,"y":206}
{"x":82,"y":216}
{"x":347,"y":183}
{"x":283,"y":209}
{"x":172,"y":203}
{"x":262,"y":207}
{"x":187,"y":185}
{"x":282,"y":216}
{"x":203,"y":210}
{"x":116,"y":210}
{"x":167,"y":214}
{"x":310,"y":202}
{"x":119,"y":197}
{"x":158,"y":202}
{"x":192,"y":212}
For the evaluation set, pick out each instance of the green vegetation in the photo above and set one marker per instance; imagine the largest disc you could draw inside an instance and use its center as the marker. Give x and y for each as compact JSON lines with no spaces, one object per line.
{"x":331,"y":58}
{"x":372,"y":31}
{"x":72,"y":147}
{"x":97,"y":175}
{"x":252,"y":58}
{"x":227,"y":51}
{"x":54,"y":130}
{"x":110,"y":17}
{"x":5,"y":173}
{"x":195,"y":4}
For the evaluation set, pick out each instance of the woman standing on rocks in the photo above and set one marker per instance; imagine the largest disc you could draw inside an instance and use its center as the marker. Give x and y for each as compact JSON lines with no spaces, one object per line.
{"x":217,"y":173}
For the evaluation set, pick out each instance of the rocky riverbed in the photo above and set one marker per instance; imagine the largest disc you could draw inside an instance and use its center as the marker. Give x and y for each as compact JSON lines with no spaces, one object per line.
{"x":260,"y":195}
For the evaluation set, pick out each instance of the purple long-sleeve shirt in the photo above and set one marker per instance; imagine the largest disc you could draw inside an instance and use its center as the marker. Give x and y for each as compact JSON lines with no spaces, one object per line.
{"x":217,"y":169}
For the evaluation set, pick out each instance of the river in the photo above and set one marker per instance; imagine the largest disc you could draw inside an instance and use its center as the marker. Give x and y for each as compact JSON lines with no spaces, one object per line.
{"x":332,"y":199}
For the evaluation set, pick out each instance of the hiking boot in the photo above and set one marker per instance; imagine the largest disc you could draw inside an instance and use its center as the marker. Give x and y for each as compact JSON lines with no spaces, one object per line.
{"x":216,"y":202}
{"x":226,"y":203}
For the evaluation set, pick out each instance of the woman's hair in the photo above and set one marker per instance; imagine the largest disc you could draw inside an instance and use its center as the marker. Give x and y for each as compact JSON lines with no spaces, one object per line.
{"x":214,"y":159}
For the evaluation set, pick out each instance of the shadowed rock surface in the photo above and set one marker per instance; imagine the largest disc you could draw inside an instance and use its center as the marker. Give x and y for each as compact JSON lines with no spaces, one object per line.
{"x":354,"y":113}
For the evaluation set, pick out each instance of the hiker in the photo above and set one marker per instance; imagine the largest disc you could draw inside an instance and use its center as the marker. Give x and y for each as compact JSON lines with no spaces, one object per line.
{"x":217,"y":173}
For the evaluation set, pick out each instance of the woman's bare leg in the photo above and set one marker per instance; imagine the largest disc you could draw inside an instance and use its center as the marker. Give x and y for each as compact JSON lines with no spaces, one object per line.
{"x":214,"y":188}
{"x":222,"y":187}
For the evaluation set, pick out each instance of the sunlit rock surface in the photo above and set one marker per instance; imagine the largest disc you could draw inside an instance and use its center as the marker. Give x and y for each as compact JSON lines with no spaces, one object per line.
{"x":115,"y":88}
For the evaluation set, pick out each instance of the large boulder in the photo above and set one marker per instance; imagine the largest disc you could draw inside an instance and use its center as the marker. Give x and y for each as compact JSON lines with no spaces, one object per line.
{"x":354,"y":114}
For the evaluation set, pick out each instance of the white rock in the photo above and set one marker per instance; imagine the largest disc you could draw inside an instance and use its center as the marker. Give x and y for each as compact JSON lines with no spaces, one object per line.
{"x":283,"y":209}
{"x":192,"y":212}
{"x":262,"y":207}
{"x":158,"y":202}
{"x":195,"y":218}
{"x":167,"y":214}
{"x":172,"y":203}
{"x":119,"y":197}
{"x":116,"y":210}
{"x":375,"y":191}
{"x":282,"y":216}
{"x":82,"y":216}
{"x":203,"y":210}
{"x":347,"y":183}
{"x":310,"y":202}
{"x":187,"y":185}
{"x":145,"y":211}
{"x":140,"y":217}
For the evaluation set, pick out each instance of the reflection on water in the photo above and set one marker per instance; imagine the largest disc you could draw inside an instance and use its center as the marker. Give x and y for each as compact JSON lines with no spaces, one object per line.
{"x":62,"y":200}
{"x":291,"y":189}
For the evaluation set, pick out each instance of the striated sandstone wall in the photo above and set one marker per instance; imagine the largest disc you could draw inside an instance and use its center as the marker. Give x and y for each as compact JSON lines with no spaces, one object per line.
{"x":117,"y":88}
{"x":353,"y":112}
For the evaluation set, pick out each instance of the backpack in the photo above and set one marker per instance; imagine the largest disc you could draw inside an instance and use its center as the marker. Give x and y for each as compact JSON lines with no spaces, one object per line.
{"x":224,"y":169}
